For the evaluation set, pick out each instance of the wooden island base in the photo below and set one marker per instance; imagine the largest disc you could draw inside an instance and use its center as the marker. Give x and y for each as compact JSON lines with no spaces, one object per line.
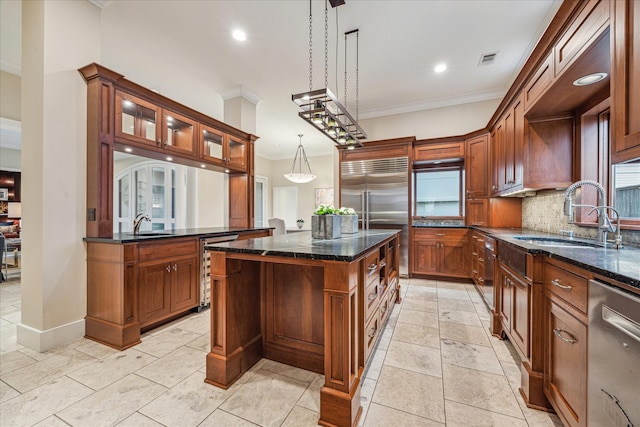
{"x":307,"y":313}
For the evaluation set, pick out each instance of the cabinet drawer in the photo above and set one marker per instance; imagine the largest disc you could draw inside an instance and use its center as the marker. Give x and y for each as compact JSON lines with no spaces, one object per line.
{"x":385,"y":309}
{"x":371,"y":293}
{"x":371,"y":332}
{"x":440,"y":233}
{"x":438,"y":151}
{"x":371,"y":265}
{"x":567,"y":285}
{"x":167,"y":249}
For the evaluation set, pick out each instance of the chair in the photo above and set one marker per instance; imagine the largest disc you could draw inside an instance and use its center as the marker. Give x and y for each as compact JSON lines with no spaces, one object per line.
{"x":3,"y":259}
{"x":278,"y":224}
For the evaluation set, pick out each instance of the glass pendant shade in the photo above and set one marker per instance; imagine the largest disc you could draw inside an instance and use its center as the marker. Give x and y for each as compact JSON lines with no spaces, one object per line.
{"x":300,"y":170}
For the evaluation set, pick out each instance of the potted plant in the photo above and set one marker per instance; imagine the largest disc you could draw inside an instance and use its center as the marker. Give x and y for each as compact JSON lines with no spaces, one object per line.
{"x":326,"y":223}
{"x":349,"y":220}
{"x":300,"y":222}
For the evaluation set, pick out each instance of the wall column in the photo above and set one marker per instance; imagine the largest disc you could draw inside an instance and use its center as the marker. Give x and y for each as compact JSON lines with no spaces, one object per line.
{"x":57,"y":38}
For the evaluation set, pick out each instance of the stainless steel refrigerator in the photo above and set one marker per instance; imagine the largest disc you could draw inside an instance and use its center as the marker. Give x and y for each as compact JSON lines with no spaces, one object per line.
{"x":378,"y":190}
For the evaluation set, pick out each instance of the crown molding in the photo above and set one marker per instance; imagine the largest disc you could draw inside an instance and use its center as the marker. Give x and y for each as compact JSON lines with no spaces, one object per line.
{"x":242,"y":91}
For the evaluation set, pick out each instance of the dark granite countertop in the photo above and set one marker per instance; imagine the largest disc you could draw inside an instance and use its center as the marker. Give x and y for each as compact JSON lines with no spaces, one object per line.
{"x":300,"y":245}
{"x":622,"y":265}
{"x":169,"y":234}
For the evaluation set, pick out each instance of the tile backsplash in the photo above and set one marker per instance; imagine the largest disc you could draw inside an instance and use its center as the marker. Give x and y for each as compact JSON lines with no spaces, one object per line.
{"x":544,"y":212}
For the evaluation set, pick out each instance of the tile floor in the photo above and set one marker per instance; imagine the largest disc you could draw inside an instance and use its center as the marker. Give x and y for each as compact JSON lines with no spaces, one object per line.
{"x":435,"y":365}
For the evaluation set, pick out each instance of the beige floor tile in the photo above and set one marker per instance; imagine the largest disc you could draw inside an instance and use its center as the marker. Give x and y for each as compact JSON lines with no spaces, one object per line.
{"x":480,"y":389}
{"x":163,"y":343}
{"x":8,"y":309}
{"x":423,"y":282}
{"x":14,"y":360}
{"x":456,"y":304}
{"x":462,"y":317}
{"x":512,"y":373}
{"x":14,"y":317}
{"x":52,"y":421}
{"x":367,"y":388}
{"x":7,"y":392}
{"x":382,"y":416}
{"x":199,"y":323}
{"x":289,"y":371}
{"x":459,"y":415}
{"x":113,"y":403}
{"x":470,"y":356}
{"x":459,"y":294}
{"x":186,"y":404}
{"x":464,"y":333}
{"x":221,"y":418}
{"x":174,"y":367}
{"x":505,"y":351}
{"x":407,"y":391}
{"x":445,"y":284}
{"x":420,"y":305}
{"x":421,"y":293}
{"x":138,"y":420}
{"x":266,"y":398}
{"x":111,"y":369}
{"x":423,"y":318}
{"x":203,"y":343}
{"x":417,"y":334}
{"x":8,"y":338}
{"x":95,"y":349}
{"x":413,"y":357}
{"x":375,"y":364}
{"x":41,"y":403}
{"x":311,"y":397}
{"x":36,"y":354}
{"x":301,"y":417}
{"x":37,"y":374}
{"x":4,"y":322}
{"x":539,"y":418}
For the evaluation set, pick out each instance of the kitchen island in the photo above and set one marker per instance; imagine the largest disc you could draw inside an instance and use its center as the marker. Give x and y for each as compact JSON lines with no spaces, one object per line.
{"x":315,"y":304}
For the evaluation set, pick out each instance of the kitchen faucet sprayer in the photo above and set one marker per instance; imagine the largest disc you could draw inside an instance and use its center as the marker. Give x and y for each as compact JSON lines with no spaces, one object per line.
{"x":604,"y":222}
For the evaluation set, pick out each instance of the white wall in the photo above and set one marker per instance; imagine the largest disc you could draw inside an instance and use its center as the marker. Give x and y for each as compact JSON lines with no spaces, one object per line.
{"x":10,"y":159}
{"x":58,"y":38}
{"x":434,"y":123}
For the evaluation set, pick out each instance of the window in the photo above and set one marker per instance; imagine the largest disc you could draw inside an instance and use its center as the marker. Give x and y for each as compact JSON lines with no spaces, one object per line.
{"x":438,"y":192}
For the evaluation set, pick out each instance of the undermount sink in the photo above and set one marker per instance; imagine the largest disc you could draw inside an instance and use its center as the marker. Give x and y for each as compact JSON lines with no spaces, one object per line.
{"x":549,"y":242}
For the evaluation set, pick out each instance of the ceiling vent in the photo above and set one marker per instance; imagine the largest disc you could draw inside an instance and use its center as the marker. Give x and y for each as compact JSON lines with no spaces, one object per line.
{"x":487,"y":58}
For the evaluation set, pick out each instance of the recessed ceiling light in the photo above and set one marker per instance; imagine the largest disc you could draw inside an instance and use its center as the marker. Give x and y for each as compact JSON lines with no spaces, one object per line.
{"x":590,"y":79}
{"x":169,"y":159}
{"x":276,"y":145}
{"x":128,"y":150}
{"x":440,"y":68}
{"x":203,"y":166}
{"x":239,"y":35}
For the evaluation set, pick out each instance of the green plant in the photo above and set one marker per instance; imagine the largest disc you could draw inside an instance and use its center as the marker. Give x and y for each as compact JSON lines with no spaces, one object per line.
{"x":325,"y":210}
{"x":346,"y":211}
{"x":300,"y":220}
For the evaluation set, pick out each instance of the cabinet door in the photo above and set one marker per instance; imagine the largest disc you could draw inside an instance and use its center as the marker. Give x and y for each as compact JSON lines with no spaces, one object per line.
{"x":520,"y":315}
{"x":625,"y":82}
{"x":236,"y":155}
{"x":497,"y":158}
{"x":212,"y":144}
{"x":453,"y":258}
{"x":506,"y":299}
{"x":477,"y":212}
{"x":477,"y":163}
{"x":425,"y":256}
{"x":184,"y":284}
{"x":178,"y":133}
{"x":136,"y":120}
{"x":154,"y":288}
{"x":566,"y":369}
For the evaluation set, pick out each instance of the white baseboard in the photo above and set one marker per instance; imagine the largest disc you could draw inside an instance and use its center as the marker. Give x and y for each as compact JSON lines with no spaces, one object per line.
{"x":42,"y":341}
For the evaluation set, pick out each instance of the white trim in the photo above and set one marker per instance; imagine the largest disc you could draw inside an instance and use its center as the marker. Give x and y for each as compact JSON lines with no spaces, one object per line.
{"x":51,"y":338}
{"x":237,"y":91}
{"x":10,"y":67}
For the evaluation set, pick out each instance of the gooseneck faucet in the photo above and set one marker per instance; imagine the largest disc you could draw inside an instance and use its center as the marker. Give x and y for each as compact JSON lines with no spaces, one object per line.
{"x":604,"y":223}
{"x":137,"y":221}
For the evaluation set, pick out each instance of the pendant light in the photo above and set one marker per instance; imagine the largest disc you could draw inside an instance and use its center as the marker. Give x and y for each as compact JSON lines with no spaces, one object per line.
{"x":321,"y":108}
{"x":298,"y":174}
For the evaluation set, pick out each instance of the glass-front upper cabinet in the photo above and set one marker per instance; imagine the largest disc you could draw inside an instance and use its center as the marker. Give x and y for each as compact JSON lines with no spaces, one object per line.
{"x":236,"y":152}
{"x":220,"y":147}
{"x":136,"y":119}
{"x":178,"y":132}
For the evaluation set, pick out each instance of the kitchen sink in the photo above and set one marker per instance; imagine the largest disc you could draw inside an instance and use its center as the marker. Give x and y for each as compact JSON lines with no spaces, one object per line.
{"x":550,"y":242}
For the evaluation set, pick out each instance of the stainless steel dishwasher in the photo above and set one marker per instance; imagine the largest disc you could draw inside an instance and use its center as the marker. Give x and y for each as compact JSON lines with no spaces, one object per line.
{"x":614,"y":356}
{"x":205,"y":264}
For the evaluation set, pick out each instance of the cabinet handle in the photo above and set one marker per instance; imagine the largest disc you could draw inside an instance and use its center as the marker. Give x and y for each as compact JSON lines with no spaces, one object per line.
{"x":558,"y":333}
{"x":382,"y":264}
{"x":480,"y":240}
{"x":383,"y":310}
{"x":480,"y":279}
{"x":556,"y":282}
{"x":373,"y":333}
{"x":481,"y":259}
{"x":169,"y":268}
{"x":175,"y":267}
{"x":372,"y":267}
{"x":440,"y":234}
{"x":372,"y":296}
{"x":507,"y":281}
{"x":474,"y":237}
{"x":474,"y":253}
{"x":475,"y":271}
{"x":476,"y":223}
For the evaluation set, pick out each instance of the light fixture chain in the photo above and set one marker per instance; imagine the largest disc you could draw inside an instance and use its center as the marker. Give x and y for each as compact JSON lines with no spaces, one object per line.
{"x":310,"y":48}
{"x":357,"y":73}
{"x":326,"y":45}
{"x":345,"y":72}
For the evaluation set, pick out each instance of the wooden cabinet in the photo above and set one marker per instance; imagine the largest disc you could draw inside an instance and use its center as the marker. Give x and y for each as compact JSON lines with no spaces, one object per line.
{"x":438,"y":151}
{"x":508,"y":147}
{"x":539,"y":82}
{"x":565,"y":379}
{"x":477,"y":180}
{"x":168,"y":279}
{"x":625,"y":82}
{"x":440,"y":251}
{"x":222,"y":148}
{"x":178,"y":133}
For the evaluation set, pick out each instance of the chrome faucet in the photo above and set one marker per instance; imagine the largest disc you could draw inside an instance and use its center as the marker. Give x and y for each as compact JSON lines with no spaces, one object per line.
{"x":604,"y":223}
{"x":137,"y":221}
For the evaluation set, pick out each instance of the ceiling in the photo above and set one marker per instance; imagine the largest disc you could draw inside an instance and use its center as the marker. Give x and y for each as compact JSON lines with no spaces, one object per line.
{"x":400,"y":42}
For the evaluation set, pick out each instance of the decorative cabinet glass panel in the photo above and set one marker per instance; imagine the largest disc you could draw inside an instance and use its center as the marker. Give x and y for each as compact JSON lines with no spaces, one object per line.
{"x":136,"y":119}
{"x":212,"y":143}
{"x":236,"y":152}
{"x":178,"y":132}
{"x":223,"y":148}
